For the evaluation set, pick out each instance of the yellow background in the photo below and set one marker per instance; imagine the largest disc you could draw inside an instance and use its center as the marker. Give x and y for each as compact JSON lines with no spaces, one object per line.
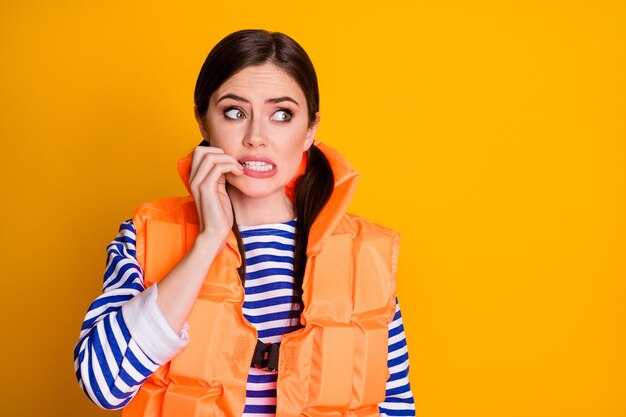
{"x":490,"y":134}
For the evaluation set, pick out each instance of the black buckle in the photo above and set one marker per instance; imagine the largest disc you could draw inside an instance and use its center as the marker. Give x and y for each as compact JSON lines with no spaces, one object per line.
{"x":266,"y":356}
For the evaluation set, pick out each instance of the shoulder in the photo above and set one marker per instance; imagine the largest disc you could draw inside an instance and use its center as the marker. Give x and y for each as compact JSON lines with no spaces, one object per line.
{"x":372,"y":238}
{"x":365,"y":229}
{"x":166,"y":214}
{"x":164,"y":204}
{"x":375,"y":252}
{"x":171,"y":209}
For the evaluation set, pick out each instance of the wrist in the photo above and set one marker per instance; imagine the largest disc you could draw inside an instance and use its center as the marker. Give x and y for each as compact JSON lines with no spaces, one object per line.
{"x":207,"y":246}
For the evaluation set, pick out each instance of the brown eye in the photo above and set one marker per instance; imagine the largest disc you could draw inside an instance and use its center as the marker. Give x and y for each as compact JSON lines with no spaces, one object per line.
{"x":234,"y":113}
{"x":282,"y":116}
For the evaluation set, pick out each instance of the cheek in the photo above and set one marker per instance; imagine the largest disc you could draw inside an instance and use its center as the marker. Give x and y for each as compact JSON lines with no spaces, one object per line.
{"x":292,"y":157}
{"x":294,"y":137}
{"x":222,"y":136}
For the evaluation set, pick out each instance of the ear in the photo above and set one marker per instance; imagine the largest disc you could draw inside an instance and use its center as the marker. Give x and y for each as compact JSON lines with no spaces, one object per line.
{"x":310,"y":133}
{"x":201,"y":124}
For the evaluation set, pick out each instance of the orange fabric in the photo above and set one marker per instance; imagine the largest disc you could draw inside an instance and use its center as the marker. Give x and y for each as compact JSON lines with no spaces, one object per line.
{"x":335,"y":365}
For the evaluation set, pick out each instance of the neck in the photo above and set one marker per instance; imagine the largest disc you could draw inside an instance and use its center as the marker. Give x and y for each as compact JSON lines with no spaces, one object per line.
{"x":251,"y":211}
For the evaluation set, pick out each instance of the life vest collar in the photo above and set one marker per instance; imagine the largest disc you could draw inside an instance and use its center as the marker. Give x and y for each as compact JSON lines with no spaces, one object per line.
{"x":346,"y":179}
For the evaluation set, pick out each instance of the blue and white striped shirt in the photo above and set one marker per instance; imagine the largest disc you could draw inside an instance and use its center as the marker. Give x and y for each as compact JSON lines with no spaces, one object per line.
{"x":120,"y":347}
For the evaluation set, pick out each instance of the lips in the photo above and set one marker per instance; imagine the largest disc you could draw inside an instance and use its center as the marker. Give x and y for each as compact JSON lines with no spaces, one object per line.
{"x":258,"y":166}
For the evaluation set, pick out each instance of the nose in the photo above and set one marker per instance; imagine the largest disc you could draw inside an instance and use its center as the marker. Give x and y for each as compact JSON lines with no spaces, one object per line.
{"x":255,"y":133}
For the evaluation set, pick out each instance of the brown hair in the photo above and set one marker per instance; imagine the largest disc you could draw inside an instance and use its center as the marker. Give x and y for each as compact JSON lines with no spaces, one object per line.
{"x":313,"y":188}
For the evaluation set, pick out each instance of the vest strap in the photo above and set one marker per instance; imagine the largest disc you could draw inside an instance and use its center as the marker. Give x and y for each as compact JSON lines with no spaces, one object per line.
{"x":266,"y":356}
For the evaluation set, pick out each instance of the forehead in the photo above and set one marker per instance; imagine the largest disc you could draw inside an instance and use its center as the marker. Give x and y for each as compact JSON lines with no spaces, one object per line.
{"x":266,"y":79}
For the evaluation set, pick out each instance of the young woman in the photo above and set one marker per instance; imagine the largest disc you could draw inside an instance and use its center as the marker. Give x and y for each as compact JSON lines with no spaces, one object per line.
{"x":256,"y":294}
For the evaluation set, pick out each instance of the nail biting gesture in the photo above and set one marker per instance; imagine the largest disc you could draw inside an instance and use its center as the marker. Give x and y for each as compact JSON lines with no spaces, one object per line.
{"x":207,"y":181}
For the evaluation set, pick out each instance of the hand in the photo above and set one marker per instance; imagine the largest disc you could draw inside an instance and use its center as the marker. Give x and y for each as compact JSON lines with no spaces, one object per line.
{"x":207,"y":181}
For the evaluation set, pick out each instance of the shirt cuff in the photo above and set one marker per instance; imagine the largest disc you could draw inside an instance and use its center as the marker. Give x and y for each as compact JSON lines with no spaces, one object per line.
{"x":150,"y":329}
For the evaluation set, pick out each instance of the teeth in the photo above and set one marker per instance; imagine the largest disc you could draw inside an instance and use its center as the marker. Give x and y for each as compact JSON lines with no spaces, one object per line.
{"x":258,"y":166}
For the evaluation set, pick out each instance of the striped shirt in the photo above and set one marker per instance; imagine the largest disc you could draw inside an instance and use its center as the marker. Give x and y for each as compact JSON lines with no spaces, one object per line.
{"x":125,"y":338}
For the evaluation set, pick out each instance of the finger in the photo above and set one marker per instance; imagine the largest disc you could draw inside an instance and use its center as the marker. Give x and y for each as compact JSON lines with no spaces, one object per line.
{"x":218,"y":169}
{"x":217,"y":176}
{"x":209,"y":191}
{"x":198,"y":155}
{"x":216,"y":156}
{"x":207,"y":161}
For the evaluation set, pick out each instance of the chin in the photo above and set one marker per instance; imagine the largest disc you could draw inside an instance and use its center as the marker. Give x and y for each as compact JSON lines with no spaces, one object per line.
{"x":255,"y":188}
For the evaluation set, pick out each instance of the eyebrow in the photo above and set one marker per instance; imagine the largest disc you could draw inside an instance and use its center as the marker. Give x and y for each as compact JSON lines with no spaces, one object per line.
{"x":269,"y":100}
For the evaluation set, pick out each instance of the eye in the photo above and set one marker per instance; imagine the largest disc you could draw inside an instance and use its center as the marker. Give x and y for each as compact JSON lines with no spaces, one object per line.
{"x":282,"y":115}
{"x":234,"y":113}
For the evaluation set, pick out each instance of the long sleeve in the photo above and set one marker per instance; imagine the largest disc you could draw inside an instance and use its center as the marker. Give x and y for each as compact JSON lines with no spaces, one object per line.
{"x":399,"y":398}
{"x":124,"y":337}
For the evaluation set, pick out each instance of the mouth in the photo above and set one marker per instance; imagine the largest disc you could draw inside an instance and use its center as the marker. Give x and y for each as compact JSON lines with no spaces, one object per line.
{"x":258,"y":166}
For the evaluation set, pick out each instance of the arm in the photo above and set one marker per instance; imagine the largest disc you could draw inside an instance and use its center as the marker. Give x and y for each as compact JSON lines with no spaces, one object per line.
{"x":399,"y":398}
{"x":128,"y":332}
{"x":179,"y":289}
{"x":124,"y":337}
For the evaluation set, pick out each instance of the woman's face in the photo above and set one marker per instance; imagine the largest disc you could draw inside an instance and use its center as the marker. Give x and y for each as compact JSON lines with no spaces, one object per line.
{"x":260,"y":117}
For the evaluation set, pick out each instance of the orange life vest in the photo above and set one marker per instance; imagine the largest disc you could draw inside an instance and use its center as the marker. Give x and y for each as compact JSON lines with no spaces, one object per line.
{"x":335,"y":365}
